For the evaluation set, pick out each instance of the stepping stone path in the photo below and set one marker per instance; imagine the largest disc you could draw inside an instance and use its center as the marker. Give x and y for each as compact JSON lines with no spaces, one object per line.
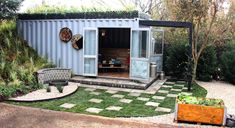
{"x":90,"y":89}
{"x":179,"y":85}
{"x":143,"y":99}
{"x":67,"y":105}
{"x":166,"y":86}
{"x":161,"y":109}
{"x":169,"y":83}
{"x":125,"y":101}
{"x":94,"y":110}
{"x":134,"y":94}
{"x":117,"y":96}
{"x":163,"y":91}
{"x":187,"y":93}
{"x":154,"y":104}
{"x":158,"y":97}
{"x":172,"y":95}
{"x":177,"y":90}
{"x":111,"y":91}
{"x":95,"y":100}
{"x":95,"y":93}
{"x":181,"y":82}
{"x":114,"y":108}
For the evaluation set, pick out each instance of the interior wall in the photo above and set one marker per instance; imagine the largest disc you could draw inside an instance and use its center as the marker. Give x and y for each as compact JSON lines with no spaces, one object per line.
{"x":114,"y":38}
{"x":114,"y":53}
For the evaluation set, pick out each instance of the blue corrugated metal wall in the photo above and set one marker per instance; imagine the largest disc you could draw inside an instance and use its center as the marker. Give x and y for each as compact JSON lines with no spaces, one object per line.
{"x":43,"y":36}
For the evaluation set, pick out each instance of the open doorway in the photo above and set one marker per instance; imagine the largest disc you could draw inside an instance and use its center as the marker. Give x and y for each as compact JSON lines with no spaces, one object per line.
{"x":114,"y":52}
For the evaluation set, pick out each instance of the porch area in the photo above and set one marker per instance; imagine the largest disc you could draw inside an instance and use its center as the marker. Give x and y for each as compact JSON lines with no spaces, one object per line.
{"x":114,"y":82}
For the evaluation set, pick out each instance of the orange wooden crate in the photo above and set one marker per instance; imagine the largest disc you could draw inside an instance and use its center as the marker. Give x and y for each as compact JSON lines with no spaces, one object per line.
{"x":200,"y":114}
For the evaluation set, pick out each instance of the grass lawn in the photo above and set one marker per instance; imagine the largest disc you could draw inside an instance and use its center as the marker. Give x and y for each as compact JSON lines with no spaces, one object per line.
{"x":135,"y":108}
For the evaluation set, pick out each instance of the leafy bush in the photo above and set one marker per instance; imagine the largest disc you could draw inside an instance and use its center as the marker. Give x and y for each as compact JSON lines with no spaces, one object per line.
{"x":48,"y":88}
{"x":207,"y":64}
{"x":176,"y":55}
{"x":176,"y":59}
{"x":60,"y":88}
{"x":185,"y":99}
{"x":18,"y":63}
{"x":228,"y":62}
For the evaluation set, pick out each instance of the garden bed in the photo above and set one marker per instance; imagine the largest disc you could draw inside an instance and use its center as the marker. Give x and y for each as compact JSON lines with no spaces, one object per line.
{"x":200,"y":110}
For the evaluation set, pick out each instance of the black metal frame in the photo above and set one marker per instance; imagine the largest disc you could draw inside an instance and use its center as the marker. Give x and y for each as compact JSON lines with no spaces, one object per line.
{"x":176,"y":24}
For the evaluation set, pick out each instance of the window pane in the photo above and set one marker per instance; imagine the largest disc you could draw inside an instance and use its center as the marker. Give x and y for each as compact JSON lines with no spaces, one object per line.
{"x":157,"y":42}
{"x":90,"y":42}
{"x":89,"y":66}
{"x":143,"y":36}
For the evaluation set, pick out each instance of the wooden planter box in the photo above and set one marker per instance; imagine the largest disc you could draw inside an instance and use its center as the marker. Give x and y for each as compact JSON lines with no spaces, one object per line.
{"x":200,"y":114}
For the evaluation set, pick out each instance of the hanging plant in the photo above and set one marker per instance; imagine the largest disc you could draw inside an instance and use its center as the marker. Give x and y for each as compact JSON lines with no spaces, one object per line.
{"x":65,"y":34}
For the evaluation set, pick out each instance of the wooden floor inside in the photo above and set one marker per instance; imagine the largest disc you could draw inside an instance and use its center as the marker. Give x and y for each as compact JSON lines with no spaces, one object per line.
{"x":115,"y":74}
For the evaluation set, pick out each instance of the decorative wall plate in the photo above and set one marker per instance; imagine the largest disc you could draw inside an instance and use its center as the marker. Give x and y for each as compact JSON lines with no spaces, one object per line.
{"x":65,"y":34}
{"x":77,"y":41}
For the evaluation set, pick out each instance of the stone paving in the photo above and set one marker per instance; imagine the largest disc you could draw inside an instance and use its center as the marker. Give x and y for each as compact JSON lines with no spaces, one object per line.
{"x":67,"y":105}
{"x":95,"y":100}
{"x":171,"y":90}
{"x":147,"y":97}
{"x":114,"y":108}
{"x":125,"y":101}
{"x":94,"y":110}
{"x":154,"y":104}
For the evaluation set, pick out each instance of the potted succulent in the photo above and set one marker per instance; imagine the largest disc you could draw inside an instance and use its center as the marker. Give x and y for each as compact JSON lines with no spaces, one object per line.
{"x":200,"y":110}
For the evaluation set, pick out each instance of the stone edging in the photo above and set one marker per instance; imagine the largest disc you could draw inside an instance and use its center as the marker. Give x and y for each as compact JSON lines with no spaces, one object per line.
{"x":59,"y":97}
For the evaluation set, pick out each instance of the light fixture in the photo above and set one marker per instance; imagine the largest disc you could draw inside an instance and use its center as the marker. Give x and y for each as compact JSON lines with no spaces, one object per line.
{"x":103,"y":32}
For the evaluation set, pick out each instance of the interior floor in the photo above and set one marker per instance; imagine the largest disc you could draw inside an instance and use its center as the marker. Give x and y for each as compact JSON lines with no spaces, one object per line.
{"x":115,"y":74}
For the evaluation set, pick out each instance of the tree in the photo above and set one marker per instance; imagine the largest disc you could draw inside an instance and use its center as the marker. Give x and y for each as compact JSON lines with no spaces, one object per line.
{"x":8,"y":8}
{"x":207,"y":25}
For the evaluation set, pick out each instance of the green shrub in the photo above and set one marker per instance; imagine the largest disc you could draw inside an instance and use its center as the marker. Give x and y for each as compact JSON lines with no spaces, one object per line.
{"x":176,"y":59}
{"x":228,"y":62}
{"x":60,"y":88}
{"x":207,"y":64}
{"x":48,"y":88}
{"x":18,"y":62}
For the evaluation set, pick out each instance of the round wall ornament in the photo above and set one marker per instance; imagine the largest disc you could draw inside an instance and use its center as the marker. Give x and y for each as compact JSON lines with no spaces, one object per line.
{"x":77,"y":41}
{"x":65,"y":34}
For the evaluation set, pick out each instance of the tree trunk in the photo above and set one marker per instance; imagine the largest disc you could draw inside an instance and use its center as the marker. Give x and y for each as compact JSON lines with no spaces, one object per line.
{"x":194,"y":71}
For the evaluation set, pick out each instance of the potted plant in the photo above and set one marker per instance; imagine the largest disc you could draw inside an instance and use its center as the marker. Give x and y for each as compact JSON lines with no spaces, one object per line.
{"x":200,"y":110}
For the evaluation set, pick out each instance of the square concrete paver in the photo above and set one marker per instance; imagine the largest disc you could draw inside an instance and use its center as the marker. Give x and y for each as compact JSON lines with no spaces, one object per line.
{"x":161,"y":109}
{"x":90,"y":89}
{"x":134,"y":94}
{"x":117,"y":96}
{"x":179,"y":85}
{"x":177,"y":90}
{"x":95,"y":100}
{"x":95,"y":93}
{"x":169,"y":83}
{"x":111,"y":91}
{"x":181,"y":82}
{"x":172,"y":95}
{"x":187,"y":93}
{"x":125,"y":101}
{"x":94,"y":110}
{"x":167,"y":86}
{"x":158,"y":97}
{"x":67,"y":105}
{"x":143,"y":99}
{"x":114,"y":108}
{"x":163,"y":91}
{"x":154,"y":104}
